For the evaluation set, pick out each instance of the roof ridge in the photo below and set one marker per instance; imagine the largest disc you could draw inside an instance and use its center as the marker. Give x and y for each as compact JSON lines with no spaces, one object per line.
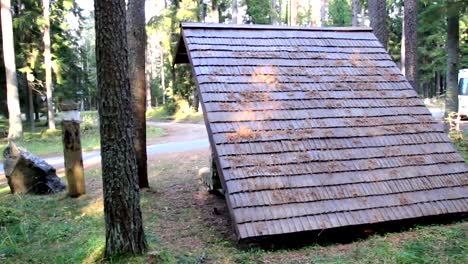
{"x":271,"y":27}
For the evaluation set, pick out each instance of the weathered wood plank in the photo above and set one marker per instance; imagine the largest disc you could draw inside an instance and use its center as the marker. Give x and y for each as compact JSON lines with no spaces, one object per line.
{"x":337,"y":192}
{"x":457,"y":170}
{"x":356,"y":166}
{"x":289,"y":62}
{"x":274,"y":212}
{"x":314,"y":113}
{"x":306,"y":156}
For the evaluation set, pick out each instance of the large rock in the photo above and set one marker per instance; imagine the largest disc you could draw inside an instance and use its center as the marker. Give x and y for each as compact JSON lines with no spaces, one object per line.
{"x":27,"y":173}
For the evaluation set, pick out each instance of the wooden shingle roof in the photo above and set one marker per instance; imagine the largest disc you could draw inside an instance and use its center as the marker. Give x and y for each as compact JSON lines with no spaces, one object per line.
{"x":317,"y":128}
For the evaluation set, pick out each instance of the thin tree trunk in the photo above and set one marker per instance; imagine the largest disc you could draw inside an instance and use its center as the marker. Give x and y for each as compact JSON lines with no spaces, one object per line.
{"x":163,"y":78}
{"x":280,"y":12}
{"x":31,"y":105}
{"x":409,"y":48}
{"x":136,"y":34}
{"x":124,"y":223}
{"x":15,"y":127}
{"x":438,"y":87}
{"x":196,"y":100}
{"x":323,"y":13}
{"x":48,"y":65}
{"x":356,"y":9}
{"x":148,"y":69}
{"x":273,"y":12}
{"x":378,"y":17}
{"x":234,"y":12}
{"x":294,"y":7}
{"x":453,"y":27}
{"x":214,"y":13}
{"x":23,"y":84}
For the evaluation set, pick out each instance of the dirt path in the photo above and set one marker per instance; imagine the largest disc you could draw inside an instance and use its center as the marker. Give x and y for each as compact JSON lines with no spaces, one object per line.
{"x":178,"y":132}
{"x":178,"y":137}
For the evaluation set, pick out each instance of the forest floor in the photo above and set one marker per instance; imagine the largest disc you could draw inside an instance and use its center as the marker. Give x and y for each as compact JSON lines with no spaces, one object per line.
{"x":185,"y":224}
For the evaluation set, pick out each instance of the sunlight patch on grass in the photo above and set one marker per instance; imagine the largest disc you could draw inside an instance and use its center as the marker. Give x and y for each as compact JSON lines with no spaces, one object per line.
{"x":5,"y":190}
{"x":95,"y":208}
{"x":184,"y":113}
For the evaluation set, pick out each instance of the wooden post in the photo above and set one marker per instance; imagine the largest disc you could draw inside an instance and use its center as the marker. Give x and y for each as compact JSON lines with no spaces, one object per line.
{"x":72,"y":149}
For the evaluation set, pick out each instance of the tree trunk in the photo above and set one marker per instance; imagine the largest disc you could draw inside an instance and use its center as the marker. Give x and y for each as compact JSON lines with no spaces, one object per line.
{"x":196,"y":100}
{"x":214,"y":13}
{"x":274,"y":13}
{"x":124,"y":223}
{"x":148,"y":82}
{"x":453,"y":26}
{"x":15,"y":127}
{"x":31,"y":105}
{"x":438,"y":87}
{"x":323,"y":13}
{"x":163,"y":79}
{"x":136,"y":34}
{"x":48,"y":65}
{"x":378,"y":17}
{"x":234,"y":12}
{"x":409,"y":48}
{"x":355,"y":6}
{"x":294,"y":7}
{"x":23,"y":84}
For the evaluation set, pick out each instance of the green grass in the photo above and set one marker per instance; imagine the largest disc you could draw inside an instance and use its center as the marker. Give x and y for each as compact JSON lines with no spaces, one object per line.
{"x":56,"y":229}
{"x":43,"y":142}
{"x":183,"y":114}
{"x":49,"y":229}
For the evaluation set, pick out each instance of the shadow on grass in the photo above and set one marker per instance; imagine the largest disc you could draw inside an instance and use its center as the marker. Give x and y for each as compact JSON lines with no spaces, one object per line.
{"x":51,"y":228}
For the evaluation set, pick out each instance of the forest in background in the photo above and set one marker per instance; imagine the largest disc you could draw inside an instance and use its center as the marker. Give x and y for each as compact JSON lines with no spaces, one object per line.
{"x":73,"y":51}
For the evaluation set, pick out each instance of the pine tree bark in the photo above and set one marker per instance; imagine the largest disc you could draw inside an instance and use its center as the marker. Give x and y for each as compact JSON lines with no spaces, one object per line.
{"x":378,"y":17}
{"x":15,"y":127}
{"x":136,"y":35}
{"x":409,"y":49}
{"x":453,"y":27}
{"x":48,"y":65}
{"x":356,"y":8}
{"x":124,"y":223}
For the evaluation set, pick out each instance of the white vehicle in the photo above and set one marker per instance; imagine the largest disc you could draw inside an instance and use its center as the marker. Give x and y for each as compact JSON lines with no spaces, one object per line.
{"x":463,"y":92}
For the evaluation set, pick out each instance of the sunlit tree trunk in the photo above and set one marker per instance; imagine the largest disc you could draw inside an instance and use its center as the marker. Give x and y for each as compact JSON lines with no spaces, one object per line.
{"x":409,"y":48}
{"x":48,"y":65}
{"x":123,"y":218}
{"x":453,"y":27}
{"x":234,"y":12}
{"x":15,"y":127}
{"x":294,"y":7}
{"x":136,"y":34}
{"x":378,"y":17}
{"x":148,"y":69}
{"x":355,"y":6}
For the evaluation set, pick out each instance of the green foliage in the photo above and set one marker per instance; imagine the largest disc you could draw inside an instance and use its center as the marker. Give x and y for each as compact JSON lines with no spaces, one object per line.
{"x":258,"y":11}
{"x":339,"y":13}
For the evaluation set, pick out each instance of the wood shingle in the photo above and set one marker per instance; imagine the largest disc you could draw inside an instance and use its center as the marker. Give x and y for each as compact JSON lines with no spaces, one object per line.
{"x":316,"y":128}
